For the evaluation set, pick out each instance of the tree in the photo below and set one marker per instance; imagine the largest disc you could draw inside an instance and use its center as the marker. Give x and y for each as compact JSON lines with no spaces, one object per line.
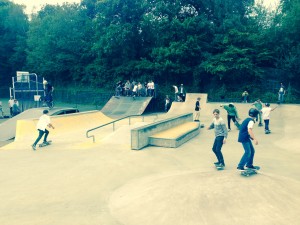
{"x":59,"y":43}
{"x":13,"y":28}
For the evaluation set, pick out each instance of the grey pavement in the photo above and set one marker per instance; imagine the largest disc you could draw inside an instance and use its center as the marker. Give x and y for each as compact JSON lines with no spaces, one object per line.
{"x":74,"y":181}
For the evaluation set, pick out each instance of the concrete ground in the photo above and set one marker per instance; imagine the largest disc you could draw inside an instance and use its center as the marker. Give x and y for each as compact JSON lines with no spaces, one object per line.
{"x":74,"y":181}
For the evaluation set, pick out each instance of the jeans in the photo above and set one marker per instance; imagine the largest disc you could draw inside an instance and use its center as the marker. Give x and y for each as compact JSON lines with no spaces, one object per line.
{"x":217,"y":147}
{"x":259,"y":117}
{"x":266,"y":124}
{"x":229,"y":118}
{"x":281,"y":97}
{"x":41,"y":133}
{"x":248,"y":156}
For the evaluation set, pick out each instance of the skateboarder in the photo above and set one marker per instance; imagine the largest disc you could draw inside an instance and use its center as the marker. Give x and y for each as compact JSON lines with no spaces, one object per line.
{"x":266,"y":111}
{"x":245,"y":136}
{"x":221,"y":135}
{"x":232,"y":114}
{"x":43,"y":122}
{"x":197,"y":110}
{"x":258,"y":105}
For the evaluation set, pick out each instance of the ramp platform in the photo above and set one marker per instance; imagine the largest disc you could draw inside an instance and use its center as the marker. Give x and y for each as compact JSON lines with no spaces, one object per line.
{"x":122,"y":106}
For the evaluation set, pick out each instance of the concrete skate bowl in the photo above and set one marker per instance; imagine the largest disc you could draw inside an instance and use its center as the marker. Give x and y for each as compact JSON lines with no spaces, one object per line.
{"x":197,"y":198}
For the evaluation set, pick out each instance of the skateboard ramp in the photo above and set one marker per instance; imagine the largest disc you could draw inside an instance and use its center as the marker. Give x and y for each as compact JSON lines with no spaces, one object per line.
{"x":188,"y":106}
{"x":8,"y":127}
{"x":122,"y":106}
{"x":65,"y":126}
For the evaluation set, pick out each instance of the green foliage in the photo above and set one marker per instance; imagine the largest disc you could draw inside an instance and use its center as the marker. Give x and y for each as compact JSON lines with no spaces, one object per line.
{"x":13,"y":28}
{"x":204,"y":44}
{"x":59,"y":43}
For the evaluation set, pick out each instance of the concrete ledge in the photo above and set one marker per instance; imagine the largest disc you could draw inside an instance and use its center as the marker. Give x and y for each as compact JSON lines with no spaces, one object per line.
{"x":176,"y":136}
{"x":140,"y":136}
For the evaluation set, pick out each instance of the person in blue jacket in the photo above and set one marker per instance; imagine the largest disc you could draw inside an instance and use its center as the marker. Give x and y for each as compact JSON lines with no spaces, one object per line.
{"x":246,"y":136}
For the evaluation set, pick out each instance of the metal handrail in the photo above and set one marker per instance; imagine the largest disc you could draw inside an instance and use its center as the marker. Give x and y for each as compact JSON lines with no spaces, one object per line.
{"x":113,"y":122}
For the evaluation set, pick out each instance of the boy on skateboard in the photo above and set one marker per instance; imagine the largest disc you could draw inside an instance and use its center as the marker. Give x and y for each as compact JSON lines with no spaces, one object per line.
{"x":266,"y":111}
{"x":221,"y":135}
{"x":258,"y":105}
{"x":43,"y":122}
{"x":232,"y":114}
{"x":245,"y":136}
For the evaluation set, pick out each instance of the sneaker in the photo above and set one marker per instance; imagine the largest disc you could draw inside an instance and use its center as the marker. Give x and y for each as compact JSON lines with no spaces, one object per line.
{"x":33,"y":147}
{"x":216,"y":163}
{"x":251,"y":167}
{"x":229,"y":130}
{"x":240,"y":168}
{"x":222,"y":164}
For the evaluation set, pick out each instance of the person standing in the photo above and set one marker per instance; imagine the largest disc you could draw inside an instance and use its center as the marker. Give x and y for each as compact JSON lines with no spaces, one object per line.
{"x":41,"y":126}
{"x":266,"y":111}
{"x":232,"y":114}
{"x":1,"y":110}
{"x":48,"y":91}
{"x":246,"y":134}
{"x":176,"y":92}
{"x":182,"y":92}
{"x":220,"y":136}
{"x":10,"y":105}
{"x":197,"y":109}
{"x":245,"y":96}
{"x":281,"y":93}
{"x":15,"y":109}
{"x":167,"y":103}
{"x":258,"y":105}
{"x":150,"y":88}
{"x":127,"y":88}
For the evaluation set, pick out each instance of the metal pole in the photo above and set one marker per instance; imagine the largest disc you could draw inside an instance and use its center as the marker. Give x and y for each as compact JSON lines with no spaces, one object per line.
{"x":13,"y":83}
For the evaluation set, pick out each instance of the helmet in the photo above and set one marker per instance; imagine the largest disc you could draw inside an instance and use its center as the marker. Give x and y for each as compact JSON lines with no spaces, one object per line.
{"x":267,"y":104}
{"x":253,"y":112}
{"x":231,"y":104}
{"x":45,"y":111}
{"x":45,"y":82}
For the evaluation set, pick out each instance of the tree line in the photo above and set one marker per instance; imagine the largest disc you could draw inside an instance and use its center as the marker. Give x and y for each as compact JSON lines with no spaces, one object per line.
{"x":205,"y":44}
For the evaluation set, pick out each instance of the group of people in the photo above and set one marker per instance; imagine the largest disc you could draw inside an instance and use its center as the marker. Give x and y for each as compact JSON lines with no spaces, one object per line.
{"x":281,"y":94}
{"x":135,"y":89}
{"x":246,"y":135}
{"x":179,"y":96}
{"x":179,"y":93}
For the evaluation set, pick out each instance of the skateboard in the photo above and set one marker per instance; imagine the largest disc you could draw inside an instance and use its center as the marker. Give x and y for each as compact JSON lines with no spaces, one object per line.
{"x":249,"y":172}
{"x":218,"y":167}
{"x":45,"y":144}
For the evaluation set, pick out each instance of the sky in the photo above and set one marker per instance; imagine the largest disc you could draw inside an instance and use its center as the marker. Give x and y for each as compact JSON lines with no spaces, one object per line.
{"x":35,"y":5}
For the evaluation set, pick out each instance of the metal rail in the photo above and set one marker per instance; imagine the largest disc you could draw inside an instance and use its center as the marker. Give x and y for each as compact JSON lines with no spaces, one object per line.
{"x":113,"y":123}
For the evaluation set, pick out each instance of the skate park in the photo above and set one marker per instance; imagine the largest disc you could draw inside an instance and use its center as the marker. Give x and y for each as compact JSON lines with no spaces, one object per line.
{"x":78,"y":181}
